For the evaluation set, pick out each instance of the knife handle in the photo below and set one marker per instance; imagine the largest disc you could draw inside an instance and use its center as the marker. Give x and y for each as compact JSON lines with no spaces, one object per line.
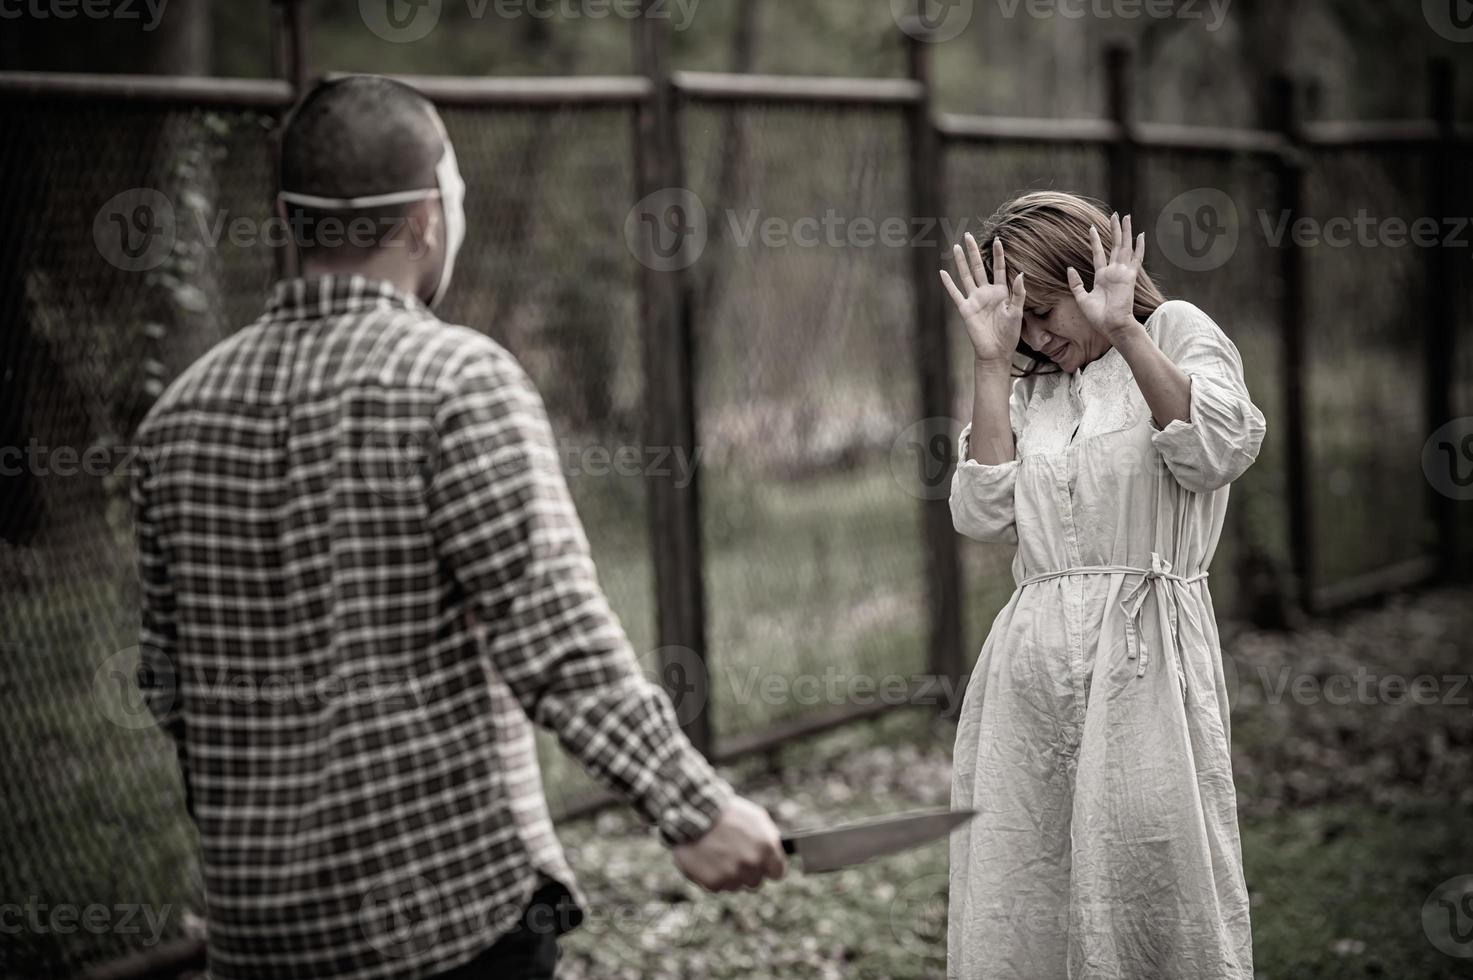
{"x":789,"y":847}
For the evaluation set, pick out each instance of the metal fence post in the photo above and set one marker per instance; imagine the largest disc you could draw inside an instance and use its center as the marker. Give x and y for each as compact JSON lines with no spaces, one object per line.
{"x":289,"y":41}
{"x":1121,"y":94}
{"x":1439,"y":344}
{"x":669,"y":393}
{"x":945,"y":660}
{"x":1292,"y":330}
{"x":289,"y":62}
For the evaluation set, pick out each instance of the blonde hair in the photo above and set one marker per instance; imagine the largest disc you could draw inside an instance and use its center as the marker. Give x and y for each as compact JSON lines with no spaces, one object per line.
{"x":1044,"y":233}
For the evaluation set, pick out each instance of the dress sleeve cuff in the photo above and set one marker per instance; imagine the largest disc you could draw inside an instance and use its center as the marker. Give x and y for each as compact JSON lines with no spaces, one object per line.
{"x":982,"y":496}
{"x":1218,"y":443}
{"x":964,"y":449}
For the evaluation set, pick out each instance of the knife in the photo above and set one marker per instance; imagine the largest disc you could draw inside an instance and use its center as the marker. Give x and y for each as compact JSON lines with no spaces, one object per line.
{"x":840,"y":847}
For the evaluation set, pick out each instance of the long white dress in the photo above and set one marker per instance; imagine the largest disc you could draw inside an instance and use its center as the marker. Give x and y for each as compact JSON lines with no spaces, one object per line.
{"x":1093,"y":737}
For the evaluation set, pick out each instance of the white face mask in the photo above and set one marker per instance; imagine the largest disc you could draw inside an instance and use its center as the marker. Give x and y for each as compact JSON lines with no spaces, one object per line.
{"x":452,"y":201}
{"x":450,"y":189}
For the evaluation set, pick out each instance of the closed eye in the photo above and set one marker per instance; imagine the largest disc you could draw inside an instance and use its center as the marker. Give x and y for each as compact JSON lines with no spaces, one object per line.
{"x":1042,"y":314}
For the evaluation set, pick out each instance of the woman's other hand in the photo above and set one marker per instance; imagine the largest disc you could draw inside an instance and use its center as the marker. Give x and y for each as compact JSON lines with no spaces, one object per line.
{"x":992,"y":311}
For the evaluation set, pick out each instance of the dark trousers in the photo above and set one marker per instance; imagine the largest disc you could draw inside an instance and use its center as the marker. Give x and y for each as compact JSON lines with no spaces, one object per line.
{"x":529,"y":950}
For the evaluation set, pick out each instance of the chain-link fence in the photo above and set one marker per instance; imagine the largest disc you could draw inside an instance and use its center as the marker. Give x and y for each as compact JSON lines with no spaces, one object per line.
{"x":112,"y":283}
{"x":1196,"y":209}
{"x":546,"y":272}
{"x":1369,"y":310}
{"x":803,"y":313}
{"x":803,"y":310}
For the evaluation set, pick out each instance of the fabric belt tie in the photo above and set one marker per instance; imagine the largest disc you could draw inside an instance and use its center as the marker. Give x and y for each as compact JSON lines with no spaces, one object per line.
{"x":1159,"y":577}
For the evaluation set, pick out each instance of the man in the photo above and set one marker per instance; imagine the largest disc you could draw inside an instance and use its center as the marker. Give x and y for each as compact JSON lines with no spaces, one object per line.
{"x":344,"y":648}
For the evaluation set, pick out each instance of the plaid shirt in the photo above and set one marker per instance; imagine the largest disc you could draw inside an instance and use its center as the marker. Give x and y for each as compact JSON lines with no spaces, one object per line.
{"x":361,"y":573}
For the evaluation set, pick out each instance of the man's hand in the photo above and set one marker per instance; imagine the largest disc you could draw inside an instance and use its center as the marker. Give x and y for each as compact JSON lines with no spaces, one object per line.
{"x":741,"y":850}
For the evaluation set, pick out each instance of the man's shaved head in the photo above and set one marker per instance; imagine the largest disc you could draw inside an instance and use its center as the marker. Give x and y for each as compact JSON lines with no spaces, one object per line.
{"x":359,"y":136}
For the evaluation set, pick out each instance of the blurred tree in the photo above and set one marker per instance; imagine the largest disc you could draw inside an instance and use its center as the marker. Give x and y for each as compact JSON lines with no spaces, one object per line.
{"x":43,"y":398}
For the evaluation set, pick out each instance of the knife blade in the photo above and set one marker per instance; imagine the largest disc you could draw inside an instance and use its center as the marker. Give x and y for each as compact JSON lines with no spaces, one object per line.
{"x":840,"y":847}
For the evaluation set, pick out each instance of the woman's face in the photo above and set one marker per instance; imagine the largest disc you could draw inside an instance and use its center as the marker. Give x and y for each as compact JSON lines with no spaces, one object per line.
{"x":1056,"y":329}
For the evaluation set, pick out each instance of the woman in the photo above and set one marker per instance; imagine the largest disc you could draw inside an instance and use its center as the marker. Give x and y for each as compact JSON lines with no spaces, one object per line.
{"x":1093,"y":738}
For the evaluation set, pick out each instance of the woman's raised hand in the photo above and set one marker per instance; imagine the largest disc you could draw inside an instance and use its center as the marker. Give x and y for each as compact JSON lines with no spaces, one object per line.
{"x":992,"y":311}
{"x":1110,"y":306}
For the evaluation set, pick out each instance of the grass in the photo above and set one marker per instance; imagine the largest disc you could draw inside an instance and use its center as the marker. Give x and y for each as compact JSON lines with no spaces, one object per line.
{"x":93,"y":811}
{"x":1338,"y":890}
